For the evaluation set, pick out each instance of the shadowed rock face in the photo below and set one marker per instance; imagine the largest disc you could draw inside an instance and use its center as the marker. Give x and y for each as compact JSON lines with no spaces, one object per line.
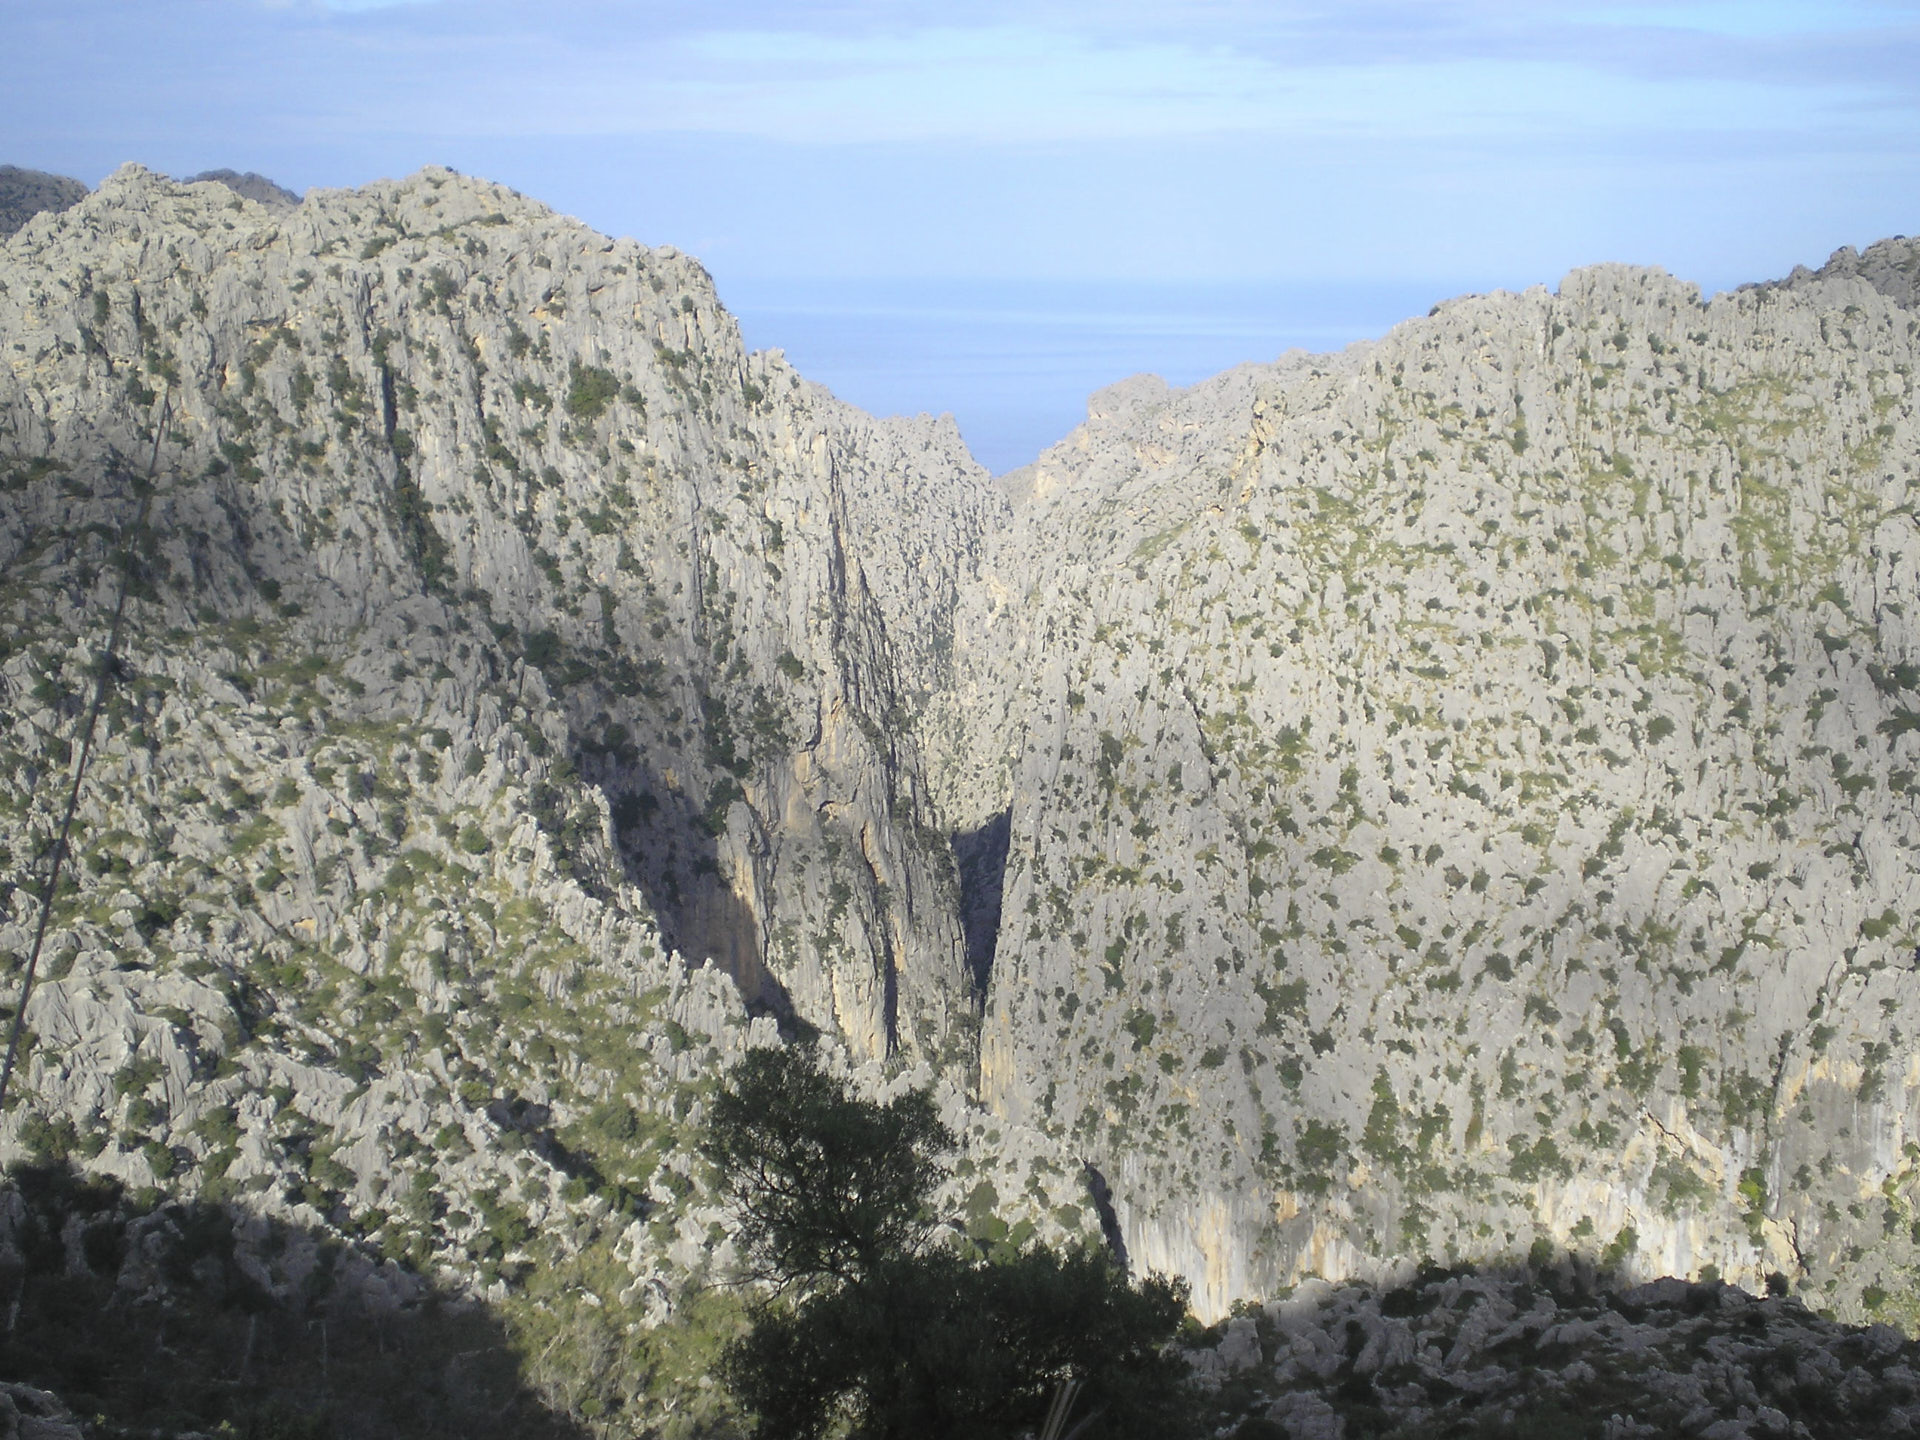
{"x":250,"y":185}
{"x":26,"y":193}
{"x":980,"y":855}
{"x":165,"y":1318}
{"x":1464,"y":1353}
{"x":1430,"y":800}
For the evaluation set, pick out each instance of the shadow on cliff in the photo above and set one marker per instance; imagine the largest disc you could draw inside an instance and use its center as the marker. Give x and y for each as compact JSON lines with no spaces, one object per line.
{"x":980,"y":857}
{"x":668,"y":844}
{"x":155,"y":1317}
{"x":670,"y":853}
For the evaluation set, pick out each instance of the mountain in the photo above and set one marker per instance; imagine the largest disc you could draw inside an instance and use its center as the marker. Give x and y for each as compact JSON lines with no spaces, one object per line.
{"x":503,"y":717}
{"x":251,"y":185}
{"x":1461,"y":791}
{"x":1447,"y":800}
{"x":26,"y":193}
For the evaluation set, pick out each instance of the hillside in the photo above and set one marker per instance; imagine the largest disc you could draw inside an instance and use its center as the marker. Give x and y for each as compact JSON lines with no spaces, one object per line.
{"x":1450,"y":800}
{"x":1509,"y":727}
{"x":503,"y":717}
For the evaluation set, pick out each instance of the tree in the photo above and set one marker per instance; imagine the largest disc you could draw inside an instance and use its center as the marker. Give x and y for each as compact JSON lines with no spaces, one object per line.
{"x":827,"y":1185}
{"x":881,"y":1323}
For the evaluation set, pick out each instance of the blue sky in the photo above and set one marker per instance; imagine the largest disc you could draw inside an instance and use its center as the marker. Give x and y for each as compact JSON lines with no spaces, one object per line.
{"x":804,"y":150}
{"x":1479,"y":140}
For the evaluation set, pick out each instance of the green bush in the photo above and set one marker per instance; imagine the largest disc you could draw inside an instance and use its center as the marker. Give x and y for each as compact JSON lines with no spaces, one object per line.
{"x":590,"y":390}
{"x":880,"y":1325}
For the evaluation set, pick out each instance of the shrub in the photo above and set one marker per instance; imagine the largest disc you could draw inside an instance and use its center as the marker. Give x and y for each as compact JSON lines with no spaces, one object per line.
{"x":879,"y":1326}
{"x":590,"y":390}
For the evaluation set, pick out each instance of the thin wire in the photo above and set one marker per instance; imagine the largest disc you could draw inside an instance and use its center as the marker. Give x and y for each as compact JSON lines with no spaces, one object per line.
{"x":101,"y":682}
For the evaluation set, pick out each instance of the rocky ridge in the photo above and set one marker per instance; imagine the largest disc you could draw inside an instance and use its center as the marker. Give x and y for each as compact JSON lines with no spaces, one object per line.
{"x":1461,"y":792}
{"x":504,"y":718}
{"x":1468,"y":1354}
{"x":26,"y":193}
{"x":1436,"y":801}
{"x":250,"y":185}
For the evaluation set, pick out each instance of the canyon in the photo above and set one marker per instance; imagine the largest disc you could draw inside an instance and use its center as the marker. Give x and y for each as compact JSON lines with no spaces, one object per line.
{"x":1451,"y":800}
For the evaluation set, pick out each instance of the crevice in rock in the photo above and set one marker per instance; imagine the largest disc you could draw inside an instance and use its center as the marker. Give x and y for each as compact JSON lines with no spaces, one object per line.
{"x":890,"y":997}
{"x":1102,"y":1196}
{"x":980,"y":857}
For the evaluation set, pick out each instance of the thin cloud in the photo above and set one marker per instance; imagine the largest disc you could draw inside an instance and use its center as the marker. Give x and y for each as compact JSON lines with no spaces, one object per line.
{"x":1112,"y":135}
{"x":859,"y":71}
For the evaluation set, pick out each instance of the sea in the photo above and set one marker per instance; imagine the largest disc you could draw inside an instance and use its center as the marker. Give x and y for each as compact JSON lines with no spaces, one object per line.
{"x":1014,"y":361}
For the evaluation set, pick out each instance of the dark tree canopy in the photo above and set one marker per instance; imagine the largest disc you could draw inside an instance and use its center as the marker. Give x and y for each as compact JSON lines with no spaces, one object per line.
{"x":881,"y":1329}
{"x":826,"y":1185}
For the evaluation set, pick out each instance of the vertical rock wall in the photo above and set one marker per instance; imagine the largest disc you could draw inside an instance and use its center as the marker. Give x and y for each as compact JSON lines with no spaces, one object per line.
{"x":1463,"y":793}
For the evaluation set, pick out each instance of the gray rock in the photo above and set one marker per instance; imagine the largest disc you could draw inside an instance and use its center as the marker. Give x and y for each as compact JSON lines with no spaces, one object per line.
{"x":1387,"y":828}
{"x":1891,"y":267}
{"x":1307,"y":1417}
{"x":30,"y":1414}
{"x":1239,"y":1349}
{"x":249,"y":185}
{"x":1456,"y":795}
{"x":27,"y":193}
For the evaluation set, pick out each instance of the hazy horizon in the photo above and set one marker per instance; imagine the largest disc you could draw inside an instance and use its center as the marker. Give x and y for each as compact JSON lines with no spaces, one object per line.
{"x":1014,"y":362}
{"x":1236,"y":152}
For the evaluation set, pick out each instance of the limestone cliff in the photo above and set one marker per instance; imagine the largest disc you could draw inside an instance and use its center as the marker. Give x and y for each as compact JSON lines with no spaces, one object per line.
{"x":1444,"y":799}
{"x":1462,"y":791}
{"x":508,"y":710}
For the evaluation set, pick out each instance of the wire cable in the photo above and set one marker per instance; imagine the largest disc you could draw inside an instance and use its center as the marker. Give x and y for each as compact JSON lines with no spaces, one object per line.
{"x":102,"y":680}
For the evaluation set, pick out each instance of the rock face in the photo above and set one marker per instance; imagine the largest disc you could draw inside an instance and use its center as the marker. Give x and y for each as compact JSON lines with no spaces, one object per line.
{"x":507,"y":712}
{"x":30,"y":1414}
{"x":1892,"y":267}
{"x":1462,"y":791}
{"x":1438,"y":800}
{"x":26,"y":193}
{"x":251,"y":185}
{"x":1450,"y":1353}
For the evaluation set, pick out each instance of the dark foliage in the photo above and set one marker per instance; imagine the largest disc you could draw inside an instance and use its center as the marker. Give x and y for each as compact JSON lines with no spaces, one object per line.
{"x":829,"y":1186}
{"x":885,"y":1331}
{"x":144,"y":1314}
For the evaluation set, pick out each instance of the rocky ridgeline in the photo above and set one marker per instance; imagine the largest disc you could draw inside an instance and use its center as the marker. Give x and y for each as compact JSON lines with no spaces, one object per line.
{"x":504,"y":718}
{"x":26,"y":193}
{"x":1467,"y":1354}
{"x":1462,"y":792}
{"x":1438,"y":801}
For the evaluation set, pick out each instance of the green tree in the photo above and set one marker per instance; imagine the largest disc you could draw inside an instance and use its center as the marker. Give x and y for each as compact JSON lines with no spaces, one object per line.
{"x":827,"y":1185}
{"x":882,"y":1325}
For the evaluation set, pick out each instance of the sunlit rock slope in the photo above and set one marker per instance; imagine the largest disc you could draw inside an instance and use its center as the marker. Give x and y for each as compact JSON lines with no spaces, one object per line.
{"x":1456,"y":796}
{"x":1463,"y":791}
{"x":507,"y":711}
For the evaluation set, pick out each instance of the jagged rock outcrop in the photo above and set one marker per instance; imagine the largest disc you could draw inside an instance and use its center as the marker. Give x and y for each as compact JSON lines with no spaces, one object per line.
{"x":1462,"y":792}
{"x":30,"y":1414}
{"x":250,"y":185}
{"x":1890,"y":266}
{"x":26,"y":193}
{"x":1438,"y":800}
{"x":1464,"y":1353}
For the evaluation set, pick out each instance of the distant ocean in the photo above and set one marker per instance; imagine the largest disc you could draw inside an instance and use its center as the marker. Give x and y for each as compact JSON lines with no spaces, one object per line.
{"x":1015,"y":361}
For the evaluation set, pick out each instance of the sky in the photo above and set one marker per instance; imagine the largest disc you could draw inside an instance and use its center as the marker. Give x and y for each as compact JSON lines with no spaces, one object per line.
{"x":808,"y":149}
